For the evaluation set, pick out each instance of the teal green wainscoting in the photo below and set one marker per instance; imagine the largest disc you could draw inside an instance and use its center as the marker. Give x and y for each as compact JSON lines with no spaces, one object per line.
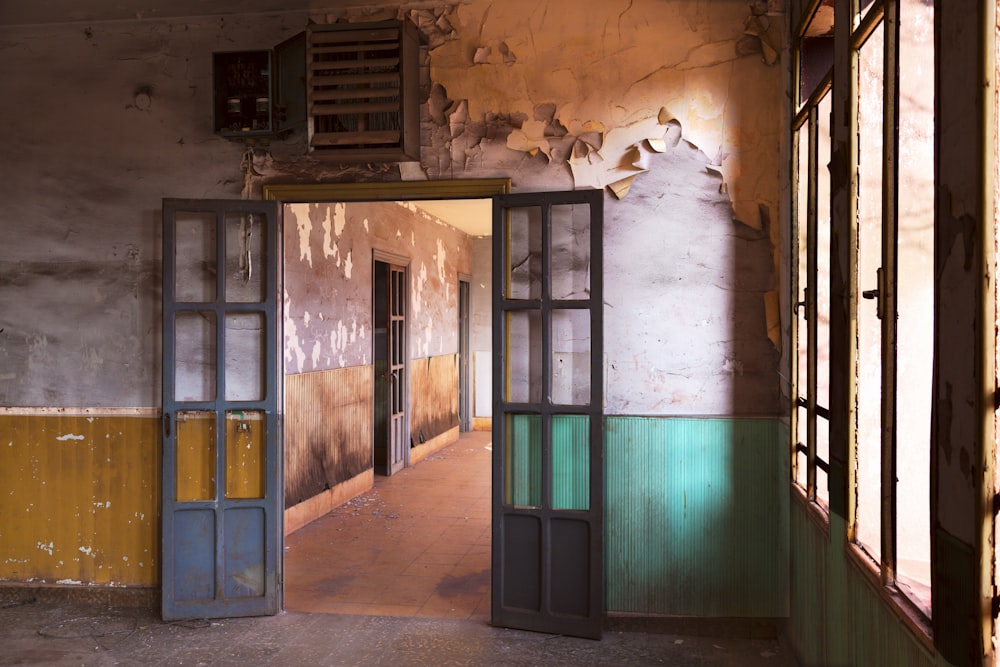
{"x":837,"y":618}
{"x":696,"y":516}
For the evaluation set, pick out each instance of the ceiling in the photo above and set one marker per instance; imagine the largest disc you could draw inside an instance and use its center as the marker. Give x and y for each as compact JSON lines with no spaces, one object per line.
{"x":472,"y":216}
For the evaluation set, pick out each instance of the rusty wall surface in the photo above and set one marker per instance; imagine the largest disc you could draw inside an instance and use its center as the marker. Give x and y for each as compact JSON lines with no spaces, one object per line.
{"x":433,"y":397}
{"x":328,"y":280}
{"x":328,"y":430}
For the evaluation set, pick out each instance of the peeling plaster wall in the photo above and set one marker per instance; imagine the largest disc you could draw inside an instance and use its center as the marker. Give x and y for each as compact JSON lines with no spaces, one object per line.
{"x":668,"y":107}
{"x":328,"y":281}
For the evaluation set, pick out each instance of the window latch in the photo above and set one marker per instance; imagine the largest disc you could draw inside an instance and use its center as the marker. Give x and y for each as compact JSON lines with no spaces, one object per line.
{"x":876,"y":294}
{"x":804,"y":304}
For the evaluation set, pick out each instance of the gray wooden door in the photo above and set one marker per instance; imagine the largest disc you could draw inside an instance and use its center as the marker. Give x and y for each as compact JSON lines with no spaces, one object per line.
{"x":221,"y":475}
{"x":548,"y":457}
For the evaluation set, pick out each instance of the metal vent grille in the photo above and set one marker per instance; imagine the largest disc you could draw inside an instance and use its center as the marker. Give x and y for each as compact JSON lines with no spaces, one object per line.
{"x":362,"y":83}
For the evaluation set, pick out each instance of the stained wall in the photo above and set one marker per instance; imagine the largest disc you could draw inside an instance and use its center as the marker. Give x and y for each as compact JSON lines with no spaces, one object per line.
{"x":674,"y":109}
{"x":328,"y":303}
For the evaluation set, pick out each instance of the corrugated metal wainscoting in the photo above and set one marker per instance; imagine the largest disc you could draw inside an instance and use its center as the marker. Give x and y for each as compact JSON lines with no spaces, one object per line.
{"x":81,"y":497}
{"x":696,"y":516}
{"x":836,"y":616}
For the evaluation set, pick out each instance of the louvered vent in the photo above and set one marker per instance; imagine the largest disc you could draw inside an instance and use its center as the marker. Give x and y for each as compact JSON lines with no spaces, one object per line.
{"x":363,"y":87}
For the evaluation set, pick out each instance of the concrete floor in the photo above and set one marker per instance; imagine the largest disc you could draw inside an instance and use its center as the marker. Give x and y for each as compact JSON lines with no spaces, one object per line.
{"x":398,"y":576}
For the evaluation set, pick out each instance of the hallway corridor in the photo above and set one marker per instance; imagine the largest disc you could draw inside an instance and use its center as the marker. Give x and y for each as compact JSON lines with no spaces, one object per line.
{"x":417,"y":544}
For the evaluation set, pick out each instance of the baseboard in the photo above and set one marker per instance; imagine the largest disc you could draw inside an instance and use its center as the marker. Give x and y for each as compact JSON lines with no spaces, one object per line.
{"x":110,"y":596}
{"x":422,"y":451}
{"x":313,"y":508}
{"x":694,"y":626}
{"x":482,"y":423}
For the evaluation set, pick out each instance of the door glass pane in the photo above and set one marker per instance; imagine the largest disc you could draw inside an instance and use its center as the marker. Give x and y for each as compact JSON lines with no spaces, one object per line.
{"x":523,"y":461}
{"x":915,"y":297}
{"x":869,"y":392}
{"x":570,"y":277}
{"x":195,"y":474}
{"x":245,"y":432}
{"x":524,"y":356}
{"x":571,"y":462}
{"x":571,"y":357}
{"x":195,"y":349}
{"x":244,"y":258}
{"x":195,"y":258}
{"x":244,"y":356}
{"x":524,"y":261}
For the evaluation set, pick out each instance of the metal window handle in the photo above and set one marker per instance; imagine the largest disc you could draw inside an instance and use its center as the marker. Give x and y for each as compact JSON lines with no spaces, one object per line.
{"x":804,"y":304}
{"x":876,"y":293}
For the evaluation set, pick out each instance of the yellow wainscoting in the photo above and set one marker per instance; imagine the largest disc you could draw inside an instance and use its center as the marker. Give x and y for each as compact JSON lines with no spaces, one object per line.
{"x":79,"y":497}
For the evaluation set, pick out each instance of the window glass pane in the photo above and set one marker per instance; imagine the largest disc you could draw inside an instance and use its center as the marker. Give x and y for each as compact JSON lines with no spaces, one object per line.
{"x":571,"y":252}
{"x":816,"y":51}
{"x":571,"y":357}
{"x":523,"y":461}
{"x":822,"y":454}
{"x":244,"y":258}
{"x":863,"y":7}
{"x":869,"y":391}
{"x":915,"y":298}
{"x":245,"y":454}
{"x":195,"y":257}
{"x":822,"y":281}
{"x":571,"y":462}
{"x":801,"y":461}
{"x":802,"y":275}
{"x":245,"y":356}
{"x":195,"y":350}
{"x":524,"y":264}
{"x":524,"y":356}
{"x":195,"y":474}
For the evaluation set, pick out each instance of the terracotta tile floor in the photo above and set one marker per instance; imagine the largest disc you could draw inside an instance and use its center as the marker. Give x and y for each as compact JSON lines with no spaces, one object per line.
{"x":418,"y":544}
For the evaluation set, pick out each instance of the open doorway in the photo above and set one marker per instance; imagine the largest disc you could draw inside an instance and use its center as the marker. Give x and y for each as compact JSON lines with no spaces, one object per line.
{"x":416,"y":542}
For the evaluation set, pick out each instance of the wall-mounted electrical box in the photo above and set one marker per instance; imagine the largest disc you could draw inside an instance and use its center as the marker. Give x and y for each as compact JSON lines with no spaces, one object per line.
{"x":355,"y":86}
{"x":260,"y":93}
